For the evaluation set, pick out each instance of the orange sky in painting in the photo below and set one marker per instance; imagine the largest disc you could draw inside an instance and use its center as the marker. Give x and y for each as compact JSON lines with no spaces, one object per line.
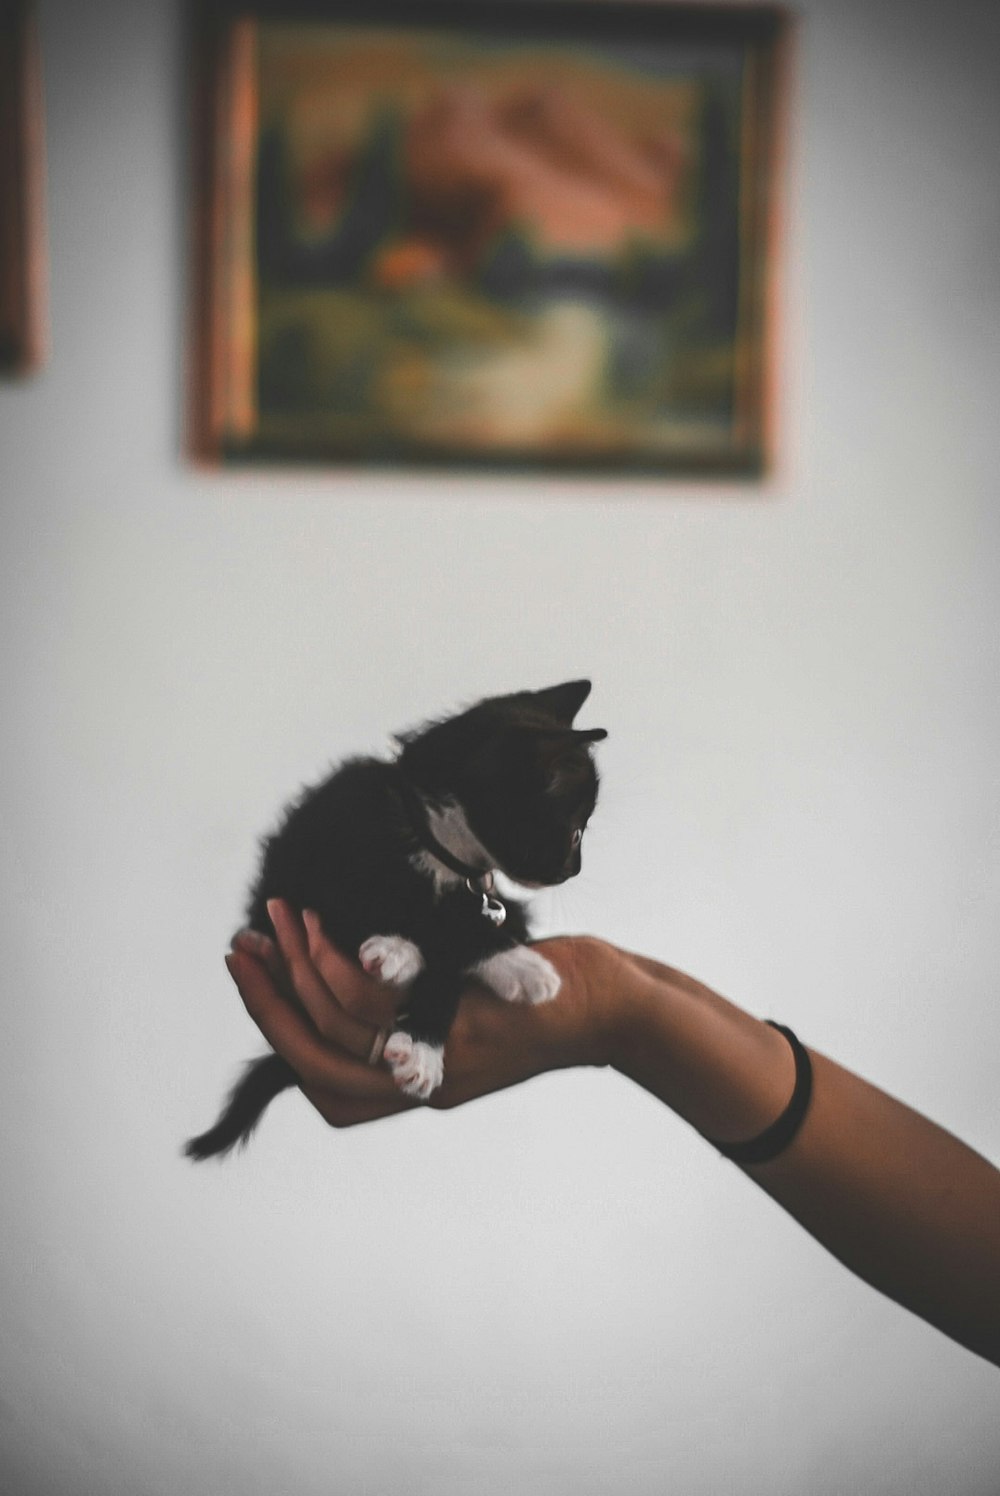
{"x":322,"y":83}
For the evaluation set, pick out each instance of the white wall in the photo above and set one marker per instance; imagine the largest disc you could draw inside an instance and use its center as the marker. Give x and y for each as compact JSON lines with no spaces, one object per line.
{"x":560,"y":1290}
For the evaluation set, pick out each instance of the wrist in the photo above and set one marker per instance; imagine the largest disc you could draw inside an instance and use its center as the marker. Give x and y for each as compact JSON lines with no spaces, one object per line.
{"x":644,"y":1008}
{"x":725,"y":1072}
{"x":581,"y":1028}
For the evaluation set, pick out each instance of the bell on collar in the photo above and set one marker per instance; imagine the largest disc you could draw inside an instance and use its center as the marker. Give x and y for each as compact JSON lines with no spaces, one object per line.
{"x":491,"y":907}
{"x":493,"y":910}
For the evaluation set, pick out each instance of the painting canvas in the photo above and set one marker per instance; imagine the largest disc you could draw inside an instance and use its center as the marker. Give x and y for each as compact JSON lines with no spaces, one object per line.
{"x":525,"y":234}
{"x":22,"y":259}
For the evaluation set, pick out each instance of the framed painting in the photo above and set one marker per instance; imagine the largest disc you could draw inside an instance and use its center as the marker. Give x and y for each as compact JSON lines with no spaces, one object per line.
{"x":535,"y":234}
{"x":22,"y":249}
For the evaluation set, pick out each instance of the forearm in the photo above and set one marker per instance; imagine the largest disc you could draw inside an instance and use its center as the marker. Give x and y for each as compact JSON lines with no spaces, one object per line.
{"x":900,"y":1201}
{"x":897,"y":1199}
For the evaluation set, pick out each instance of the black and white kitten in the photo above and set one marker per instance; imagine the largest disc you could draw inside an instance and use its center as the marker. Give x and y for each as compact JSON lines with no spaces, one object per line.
{"x":397,"y":859}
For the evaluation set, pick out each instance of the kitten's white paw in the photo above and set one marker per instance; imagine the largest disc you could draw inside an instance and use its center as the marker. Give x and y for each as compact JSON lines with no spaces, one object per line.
{"x":519,"y":976}
{"x":417,"y":1067}
{"x":391,"y":958}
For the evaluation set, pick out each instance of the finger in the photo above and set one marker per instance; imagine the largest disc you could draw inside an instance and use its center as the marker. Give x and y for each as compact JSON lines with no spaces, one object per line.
{"x":263,"y":948}
{"x":357,"y":992}
{"x":318,"y":1065}
{"x":316,"y":997}
{"x":352,"y":988}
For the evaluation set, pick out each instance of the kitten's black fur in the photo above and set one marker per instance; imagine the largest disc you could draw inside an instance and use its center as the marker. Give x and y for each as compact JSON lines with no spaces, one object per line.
{"x":381,"y":849}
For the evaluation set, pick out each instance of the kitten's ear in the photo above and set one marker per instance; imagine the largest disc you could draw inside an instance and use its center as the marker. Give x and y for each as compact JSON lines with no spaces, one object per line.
{"x":566,"y":765}
{"x":563,"y":702}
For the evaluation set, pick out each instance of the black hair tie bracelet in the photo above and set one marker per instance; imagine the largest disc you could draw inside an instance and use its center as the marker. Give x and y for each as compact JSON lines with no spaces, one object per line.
{"x":776,"y":1138}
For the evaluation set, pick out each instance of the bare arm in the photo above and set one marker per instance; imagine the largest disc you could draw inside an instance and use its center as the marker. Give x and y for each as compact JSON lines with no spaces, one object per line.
{"x":900,"y":1201}
{"x":897,"y":1199}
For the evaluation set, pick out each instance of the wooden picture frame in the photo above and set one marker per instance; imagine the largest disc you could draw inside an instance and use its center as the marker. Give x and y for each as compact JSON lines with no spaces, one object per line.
{"x":23,"y":311}
{"x":535,"y":235}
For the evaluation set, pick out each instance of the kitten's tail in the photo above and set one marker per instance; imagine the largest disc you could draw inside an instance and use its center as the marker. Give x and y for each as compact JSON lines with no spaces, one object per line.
{"x":261,"y":1081}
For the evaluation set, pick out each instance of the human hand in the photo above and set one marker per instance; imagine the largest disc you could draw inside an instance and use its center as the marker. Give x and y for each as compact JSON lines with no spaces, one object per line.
{"x":321,"y":1012}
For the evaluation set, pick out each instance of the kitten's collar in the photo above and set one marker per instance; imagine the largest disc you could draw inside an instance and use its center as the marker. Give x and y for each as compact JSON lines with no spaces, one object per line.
{"x":478,"y":879}
{"x":479,"y":874}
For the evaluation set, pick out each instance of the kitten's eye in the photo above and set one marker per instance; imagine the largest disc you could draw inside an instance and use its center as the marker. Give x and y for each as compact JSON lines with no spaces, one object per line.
{"x":577,"y":837}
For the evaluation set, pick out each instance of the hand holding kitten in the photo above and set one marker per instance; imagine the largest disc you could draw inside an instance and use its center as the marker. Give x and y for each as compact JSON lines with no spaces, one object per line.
{"x":322,"y":1013}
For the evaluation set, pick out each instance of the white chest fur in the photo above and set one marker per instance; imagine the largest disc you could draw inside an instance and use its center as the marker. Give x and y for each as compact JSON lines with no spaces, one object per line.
{"x":448,"y":825}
